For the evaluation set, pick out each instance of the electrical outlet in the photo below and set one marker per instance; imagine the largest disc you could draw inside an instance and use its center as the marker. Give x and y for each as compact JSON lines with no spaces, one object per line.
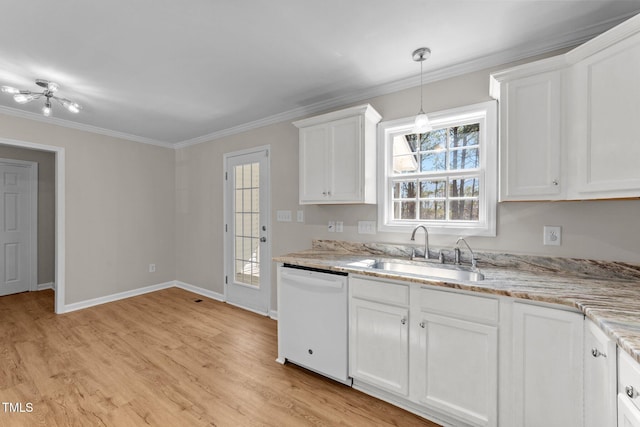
{"x":366,"y":227}
{"x":339,"y":226}
{"x":300,"y":216}
{"x":152,"y":268}
{"x":552,"y":235}
{"x":331,"y":227}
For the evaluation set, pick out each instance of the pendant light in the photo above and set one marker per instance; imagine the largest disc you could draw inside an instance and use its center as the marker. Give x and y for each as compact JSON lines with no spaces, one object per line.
{"x":422,"y":124}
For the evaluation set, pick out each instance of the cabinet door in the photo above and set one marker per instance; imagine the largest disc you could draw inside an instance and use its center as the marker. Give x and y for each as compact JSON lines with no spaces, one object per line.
{"x":599,"y":377}
{"x":456,"y":368}
{"x":314,"y":149}
{"x":547,"y":366}
{"x":379,"y":345}
{"x":346,"y":157}
{"x":607,"y":107}
{"x":530,"y":138}
{"x":628,"y":415}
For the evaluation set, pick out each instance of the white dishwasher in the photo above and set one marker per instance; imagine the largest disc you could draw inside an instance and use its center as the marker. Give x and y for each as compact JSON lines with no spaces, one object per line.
{"x":313,"y":320}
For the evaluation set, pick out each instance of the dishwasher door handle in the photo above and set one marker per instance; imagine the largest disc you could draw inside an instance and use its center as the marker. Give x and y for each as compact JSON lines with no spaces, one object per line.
{"x":311,"y":281}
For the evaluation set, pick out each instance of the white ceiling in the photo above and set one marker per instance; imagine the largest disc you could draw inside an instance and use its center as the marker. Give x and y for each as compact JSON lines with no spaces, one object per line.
{"x":180,"y":72}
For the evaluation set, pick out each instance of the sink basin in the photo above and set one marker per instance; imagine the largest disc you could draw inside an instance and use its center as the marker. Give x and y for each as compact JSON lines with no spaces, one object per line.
{"x":430,"y":270}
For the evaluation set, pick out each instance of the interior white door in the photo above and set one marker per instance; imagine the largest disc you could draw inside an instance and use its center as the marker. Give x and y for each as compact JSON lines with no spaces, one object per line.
{"x":247,"y":222}
{"x":18,"y":188}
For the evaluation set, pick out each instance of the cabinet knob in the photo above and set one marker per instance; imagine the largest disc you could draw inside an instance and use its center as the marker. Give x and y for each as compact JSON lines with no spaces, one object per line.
{"x":403,"y":320}
{"x":422,"y":325}
{"x":555,"y":182}
{"x":631,"y":392}
{"x":324,"y":193}
{"x":597,"y":353}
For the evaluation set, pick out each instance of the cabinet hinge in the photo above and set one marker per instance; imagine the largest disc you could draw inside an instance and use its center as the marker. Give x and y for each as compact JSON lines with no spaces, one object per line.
{"x":226,"y":176}
{"x":225,"y":280}
{"x":226,"y":228}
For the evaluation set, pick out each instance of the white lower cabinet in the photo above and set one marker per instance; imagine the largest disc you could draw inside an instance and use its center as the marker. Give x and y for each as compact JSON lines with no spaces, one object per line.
{"x":628,"y":391}
{"x":456,"y":368}
{"x":431,"y":351}
{"x":599,"y":377}
{"x":547,"y":367}
{"x":379,"y":334}
{"x":379,"y":347}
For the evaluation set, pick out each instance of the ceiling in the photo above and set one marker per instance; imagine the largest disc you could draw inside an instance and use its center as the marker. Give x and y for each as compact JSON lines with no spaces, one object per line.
{"x":179,"y":72}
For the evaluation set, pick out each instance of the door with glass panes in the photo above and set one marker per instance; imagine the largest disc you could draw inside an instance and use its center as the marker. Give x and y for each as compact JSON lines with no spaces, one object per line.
{"x":247,"y":245}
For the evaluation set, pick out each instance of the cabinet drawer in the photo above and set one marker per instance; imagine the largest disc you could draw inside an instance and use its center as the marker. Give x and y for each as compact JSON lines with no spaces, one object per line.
{"x":378,"y":290}
{"x":462,"y":306}
{"x":629,"y":377}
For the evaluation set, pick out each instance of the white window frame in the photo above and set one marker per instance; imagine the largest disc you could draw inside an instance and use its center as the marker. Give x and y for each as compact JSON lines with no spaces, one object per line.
{"x":484,"y":113}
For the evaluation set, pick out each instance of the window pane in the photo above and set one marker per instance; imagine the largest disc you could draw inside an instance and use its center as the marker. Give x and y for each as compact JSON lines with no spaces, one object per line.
{"x":405,"y":164}
{"x":468,"y":158}
{"x":434,"y":140}
{"x":404,"y":210}
{"x":433,"y":188}
{"x":433,"y":210}
{"x":404,"y":190}
{"x":464,"y":210}
{"x":464,"y":136}
{"x":433,"y":161}
{"x":464,"y":187}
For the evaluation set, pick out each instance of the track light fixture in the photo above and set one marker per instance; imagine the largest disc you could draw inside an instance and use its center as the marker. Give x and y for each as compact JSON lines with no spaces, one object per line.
{"x":50,"y":88}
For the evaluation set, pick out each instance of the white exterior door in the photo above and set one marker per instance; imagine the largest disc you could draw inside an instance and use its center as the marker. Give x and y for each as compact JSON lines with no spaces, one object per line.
{"x":247,"y":243}
{"x":18,"y":210}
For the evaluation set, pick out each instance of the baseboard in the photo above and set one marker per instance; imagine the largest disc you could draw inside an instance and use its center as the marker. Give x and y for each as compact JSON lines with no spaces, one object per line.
{"x":43,"y":286}
{"x":198,"y":290}
{"x":273,"y":314}
{"x":115,"y":297}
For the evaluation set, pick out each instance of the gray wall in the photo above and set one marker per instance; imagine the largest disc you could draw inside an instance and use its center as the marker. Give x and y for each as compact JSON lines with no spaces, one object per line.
{"x":120,"y":208}
{"x":46,"y":206}
{"x":604,"y":230}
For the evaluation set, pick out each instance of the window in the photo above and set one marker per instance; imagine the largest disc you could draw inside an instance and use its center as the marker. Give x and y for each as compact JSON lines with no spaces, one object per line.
{"x":444,"y":179}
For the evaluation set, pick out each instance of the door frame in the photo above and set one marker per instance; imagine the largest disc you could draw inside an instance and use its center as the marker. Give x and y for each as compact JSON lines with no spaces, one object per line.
{"x":32,"y":168}
{"x":60,"y":256}
{"x":264,"y":254}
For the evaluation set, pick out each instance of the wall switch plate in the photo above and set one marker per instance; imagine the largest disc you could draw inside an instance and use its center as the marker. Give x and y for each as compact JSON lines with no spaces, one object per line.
{"x":366,"y":227}
{"x":339,"y":226}
{"x":300,"y":216}
{"x":552,"y":235}
{"x":331,"y":227}
{"x":283,"y":216}
{"x":152,"y":268}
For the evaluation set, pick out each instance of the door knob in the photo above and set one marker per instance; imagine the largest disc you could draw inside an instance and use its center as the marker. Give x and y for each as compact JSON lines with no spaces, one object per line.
{"x":263,"y":239}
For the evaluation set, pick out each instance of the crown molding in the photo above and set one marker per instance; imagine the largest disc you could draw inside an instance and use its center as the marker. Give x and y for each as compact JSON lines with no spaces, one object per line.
{"x":83,"y":127}
{"x":524,"y":51}
{"x":540,"y":47}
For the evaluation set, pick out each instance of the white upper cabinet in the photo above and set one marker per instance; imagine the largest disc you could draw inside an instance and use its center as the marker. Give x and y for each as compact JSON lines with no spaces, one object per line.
{"x":564,"y":130}
{"x":338,"y":157}
{"x":530,"y":131}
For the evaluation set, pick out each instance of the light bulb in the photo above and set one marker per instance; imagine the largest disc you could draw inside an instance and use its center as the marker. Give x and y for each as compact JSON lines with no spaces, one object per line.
{"x":9,"y":89}
{"x":46,"y":110}
{"x":73,"y":107}
{"x":23,"y":98}
{"x":422,"y":124}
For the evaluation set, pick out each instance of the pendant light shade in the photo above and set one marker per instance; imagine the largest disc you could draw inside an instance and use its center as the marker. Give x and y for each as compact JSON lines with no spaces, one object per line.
{"x":422,"y":124}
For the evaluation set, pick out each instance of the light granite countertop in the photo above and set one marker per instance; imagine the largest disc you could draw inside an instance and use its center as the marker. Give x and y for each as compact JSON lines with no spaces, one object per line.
{"x":606,"y":292}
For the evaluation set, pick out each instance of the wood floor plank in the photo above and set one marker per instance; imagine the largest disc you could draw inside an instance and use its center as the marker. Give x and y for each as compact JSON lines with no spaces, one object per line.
{"x":163,"y":359}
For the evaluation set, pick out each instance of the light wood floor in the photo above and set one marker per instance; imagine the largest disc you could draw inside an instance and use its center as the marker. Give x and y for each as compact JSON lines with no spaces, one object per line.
{"x":163,"y":359}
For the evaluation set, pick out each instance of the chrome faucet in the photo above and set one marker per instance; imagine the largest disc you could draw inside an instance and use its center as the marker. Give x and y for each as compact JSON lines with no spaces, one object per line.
{"x":456,"y":252}
{"x":426,"y":239}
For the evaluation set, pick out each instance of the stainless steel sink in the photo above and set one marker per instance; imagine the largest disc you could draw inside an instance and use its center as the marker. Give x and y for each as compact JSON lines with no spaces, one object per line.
{"x":430,"y":270}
